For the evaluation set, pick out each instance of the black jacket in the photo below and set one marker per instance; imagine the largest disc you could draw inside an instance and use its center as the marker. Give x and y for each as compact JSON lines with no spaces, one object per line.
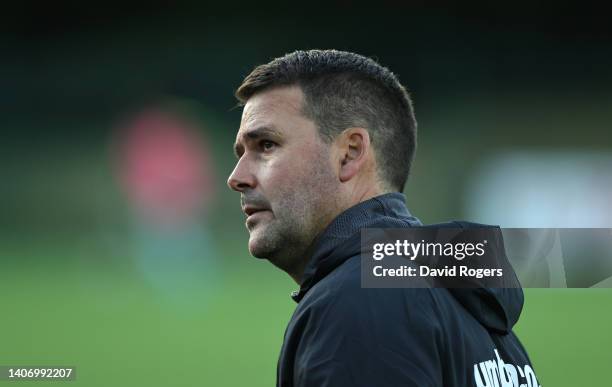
{"x":344,"y":335}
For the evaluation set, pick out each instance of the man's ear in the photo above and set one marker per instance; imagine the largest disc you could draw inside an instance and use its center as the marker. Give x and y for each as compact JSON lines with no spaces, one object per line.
{"x":354,"y":147}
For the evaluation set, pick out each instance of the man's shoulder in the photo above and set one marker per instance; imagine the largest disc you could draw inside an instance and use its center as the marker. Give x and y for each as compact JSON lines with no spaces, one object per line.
{"x":342,"y":292}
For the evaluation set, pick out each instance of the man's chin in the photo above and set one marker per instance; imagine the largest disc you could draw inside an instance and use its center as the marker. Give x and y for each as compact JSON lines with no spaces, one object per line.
{"x":258,"y":247}
{"x":257,"y":253}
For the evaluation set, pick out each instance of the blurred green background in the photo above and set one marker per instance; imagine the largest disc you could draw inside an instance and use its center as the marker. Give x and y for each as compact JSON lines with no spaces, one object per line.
{"x":123,"y":253}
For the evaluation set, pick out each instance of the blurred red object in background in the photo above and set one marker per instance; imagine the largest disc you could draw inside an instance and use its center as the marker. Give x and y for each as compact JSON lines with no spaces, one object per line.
{"x":164,"y":166}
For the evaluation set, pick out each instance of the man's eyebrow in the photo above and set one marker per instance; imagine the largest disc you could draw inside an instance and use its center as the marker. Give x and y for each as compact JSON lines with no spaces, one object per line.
{"x":254,"y":134}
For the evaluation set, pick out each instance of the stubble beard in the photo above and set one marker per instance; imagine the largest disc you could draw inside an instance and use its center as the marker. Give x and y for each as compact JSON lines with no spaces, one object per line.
{"x":301,"y":212}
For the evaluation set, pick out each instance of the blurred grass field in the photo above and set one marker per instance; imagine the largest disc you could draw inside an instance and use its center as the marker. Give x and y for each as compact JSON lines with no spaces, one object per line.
{"x":119,"y":331}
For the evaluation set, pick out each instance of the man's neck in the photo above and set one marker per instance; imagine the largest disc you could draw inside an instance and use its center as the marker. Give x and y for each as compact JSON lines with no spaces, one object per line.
{"x":297,"y":272}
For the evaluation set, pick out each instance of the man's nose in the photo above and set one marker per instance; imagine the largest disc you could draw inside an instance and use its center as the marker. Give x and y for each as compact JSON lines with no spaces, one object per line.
{"x":241,"y":178}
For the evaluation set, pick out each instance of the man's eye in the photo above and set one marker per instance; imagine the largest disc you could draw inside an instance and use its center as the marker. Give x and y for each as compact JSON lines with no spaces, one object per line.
{"x":267,"y":145}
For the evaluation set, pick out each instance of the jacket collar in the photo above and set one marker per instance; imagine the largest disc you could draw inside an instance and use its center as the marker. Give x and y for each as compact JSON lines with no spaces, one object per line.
{"x":341,"y":239}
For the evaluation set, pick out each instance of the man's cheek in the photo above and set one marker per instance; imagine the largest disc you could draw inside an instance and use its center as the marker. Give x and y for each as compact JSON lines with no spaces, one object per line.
{"x":280,"y":175}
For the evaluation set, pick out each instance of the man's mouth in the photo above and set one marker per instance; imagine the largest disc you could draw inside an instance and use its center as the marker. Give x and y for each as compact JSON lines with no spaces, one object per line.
{"x":254,"y":215}
{"x":248,"y":210}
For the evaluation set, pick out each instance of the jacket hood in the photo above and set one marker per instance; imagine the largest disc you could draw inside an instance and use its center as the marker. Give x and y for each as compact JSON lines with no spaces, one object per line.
{"x":496,"y":309}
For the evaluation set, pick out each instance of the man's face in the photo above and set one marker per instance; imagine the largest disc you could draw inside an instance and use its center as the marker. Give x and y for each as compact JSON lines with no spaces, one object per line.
{"x":285,"y":176}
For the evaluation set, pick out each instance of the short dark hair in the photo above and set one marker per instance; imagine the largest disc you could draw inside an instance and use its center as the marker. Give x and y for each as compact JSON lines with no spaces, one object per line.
{"x":342,"y":90}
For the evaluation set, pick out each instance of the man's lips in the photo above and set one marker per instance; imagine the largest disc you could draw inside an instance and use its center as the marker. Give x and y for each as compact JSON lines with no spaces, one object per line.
{"x":253,"y":215}
{"x":249,"y":210}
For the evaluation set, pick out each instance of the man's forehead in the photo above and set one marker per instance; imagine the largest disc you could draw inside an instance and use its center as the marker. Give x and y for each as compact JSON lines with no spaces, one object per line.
{"x":279,"y":103}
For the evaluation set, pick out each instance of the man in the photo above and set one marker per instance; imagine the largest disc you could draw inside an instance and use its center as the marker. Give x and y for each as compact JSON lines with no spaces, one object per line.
{"x":324,"y":149}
